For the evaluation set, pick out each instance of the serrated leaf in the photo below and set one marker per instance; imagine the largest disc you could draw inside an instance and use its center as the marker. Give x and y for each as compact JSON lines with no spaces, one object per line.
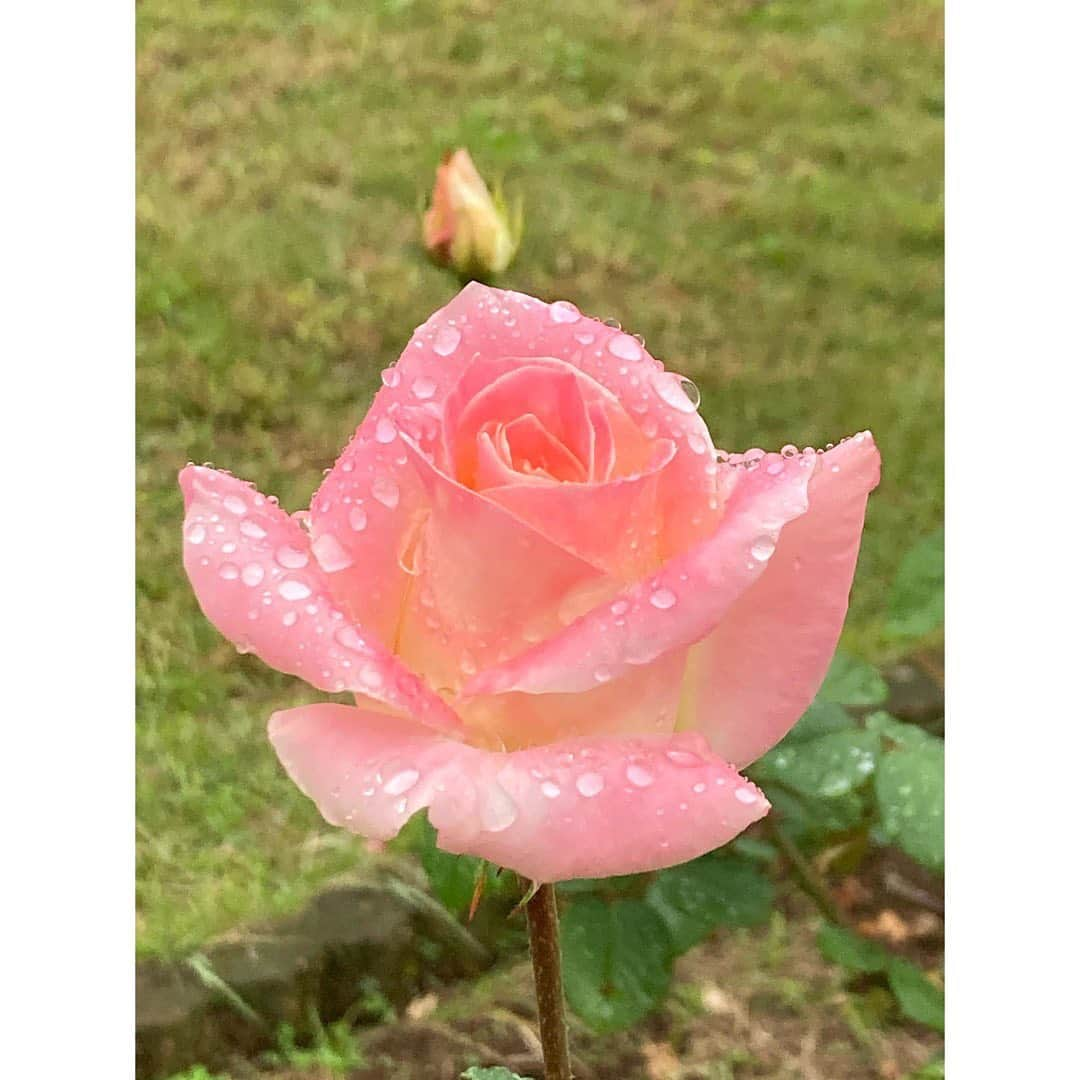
{"x":919,"y":999}
{"x":851,"y":951}
{"x":854,"y":683}
{"x":822,"y":768}
{"x":910,"y":791}
{"x":696,"y":897}
{"x":493,"y":1072}
{"x":616,"y":961}
{"x":917,"y":597}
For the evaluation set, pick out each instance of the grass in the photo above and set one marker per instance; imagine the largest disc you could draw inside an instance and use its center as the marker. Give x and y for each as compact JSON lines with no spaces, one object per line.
{"x":754,"y":187}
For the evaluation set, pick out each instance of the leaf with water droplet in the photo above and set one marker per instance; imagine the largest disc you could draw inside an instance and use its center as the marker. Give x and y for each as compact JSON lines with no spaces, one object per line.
{"x":910,"y":792}
{"x":854,"y":683}
{"x":826,"y":767}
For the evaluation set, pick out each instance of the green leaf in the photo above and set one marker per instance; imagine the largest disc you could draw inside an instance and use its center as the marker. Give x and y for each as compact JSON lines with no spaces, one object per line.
{"x":854,"y":683}
{"x":814,"y":819}
{"x":821,"y":718}
{"x":616,"y":961}
{"x":918,"y":997}
{"x":917,"y":597}
{"x":495,"y":1072}
{"x":910,"y":791}
{"x":452,"y":877}
{"x":907,"y":736}
{"x":850,"y":950}
{"x":696,"y":897}
{"x":826,"y":767}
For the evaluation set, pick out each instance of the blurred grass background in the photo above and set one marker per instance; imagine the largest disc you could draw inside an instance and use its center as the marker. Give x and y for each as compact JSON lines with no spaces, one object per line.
{"x":756,"y":187}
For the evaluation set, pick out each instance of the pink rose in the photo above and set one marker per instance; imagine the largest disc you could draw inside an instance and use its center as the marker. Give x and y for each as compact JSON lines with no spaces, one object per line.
{"x":565,"y":623}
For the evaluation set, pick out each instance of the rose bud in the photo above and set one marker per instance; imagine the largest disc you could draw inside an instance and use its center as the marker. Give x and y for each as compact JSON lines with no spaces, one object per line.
{"x":466,"y":227}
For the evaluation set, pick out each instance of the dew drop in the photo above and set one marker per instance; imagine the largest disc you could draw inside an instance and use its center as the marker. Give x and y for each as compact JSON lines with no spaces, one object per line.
{"x":584,"y":338}
{"x":350,"y":639}
{"x":698,"y":788}
{"x":620,"y":607}
{"x":696,"y":443}
{"x":762,"y":548}
{"x":252,"y":574}
{"x":329,"y":553}
{"x":683,"y":758}
{"x":602,"y":674}
{"x":357,"y":519}
{"x":624,"y":347}
{"x":673,"y":390}
{"x":774,"y":468}
{"x":385,"y":431}
{"x":289,"y":618}
{"x":290,"y":589}
{"x":550,"y":790}
{"x":252,"y":529}
{"x":401,"y":782}
{"x":291,"y":558}
{"x":234,"y":504}
{"x":446,"y":341}
{"x":229,"y":571}
{"x":663,"y":599}
{"x":746,"y":795}
{"x":391,"y":377}
{"x":562,"y":311}
{"x":196,"y":534}
{"x":639,"y":776}
{"x":499,"y":811}
{"x":385,"y":490}
{"x":590,"y":784}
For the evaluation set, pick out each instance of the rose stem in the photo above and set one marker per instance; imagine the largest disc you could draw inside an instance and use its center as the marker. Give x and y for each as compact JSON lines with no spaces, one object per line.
{"x":543,"y":917}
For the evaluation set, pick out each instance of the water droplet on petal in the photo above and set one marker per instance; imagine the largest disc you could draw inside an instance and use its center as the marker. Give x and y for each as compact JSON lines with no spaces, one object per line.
{"x":234,"y":504}
{"x":423,"y":387}
{"x":357,"y":519}
{"x":590,"y":784}
{"x":550,"y":790}
{"x":350,"y":638}
{"x":620,"y":607}
{"x":746,"y":795}
{"x":696,"y":443}
{"x":624,"y":347}
{"x":663,"y":599}
{"x":671,"y":389}
{"x":329,"y":553}
{"x":639,"y":776}
{"x":774,"y":468}
{"x":252,"y":529}
{"x":289,"y":618}
{"x":252,"y":574}
{"x":762,"y":548}
{"x":446,"y":341}
{"x":562,"y":311}
{"x":196,"y":534}
{"x":391,"y":377}
{"x":401,"y":782}
{"x":229,"y":571}
{"x":291,"y":558}
{"x":385,"y":490}
{"x":683,"y":758}
{"x":602,"y":674}
{"x":499,"y":811}
{"x":385,"y":431}
{"x":291,"y":589}
{"x":699,"y":788}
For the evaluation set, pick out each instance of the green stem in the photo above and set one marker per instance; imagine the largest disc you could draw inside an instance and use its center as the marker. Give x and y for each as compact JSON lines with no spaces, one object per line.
{"x":543,"y":916}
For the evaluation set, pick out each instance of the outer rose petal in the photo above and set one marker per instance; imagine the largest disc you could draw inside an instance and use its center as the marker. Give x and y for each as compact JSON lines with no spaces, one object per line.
{"x":547,"y":812}
{"x":256,"y":580}
{"x":754,"y":676}
{"x":675,"y":607}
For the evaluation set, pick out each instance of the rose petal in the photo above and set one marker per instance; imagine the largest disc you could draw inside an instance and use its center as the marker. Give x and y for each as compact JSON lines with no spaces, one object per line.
{"x":547,"y":812}
{"x":486,"y":585}
{"x":754,"y":676}
{"x":257,"y":580}
{"x":681,"y":603}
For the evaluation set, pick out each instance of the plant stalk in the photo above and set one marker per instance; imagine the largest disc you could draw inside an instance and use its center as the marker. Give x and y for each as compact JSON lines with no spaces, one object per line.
{"x":543,"y":917}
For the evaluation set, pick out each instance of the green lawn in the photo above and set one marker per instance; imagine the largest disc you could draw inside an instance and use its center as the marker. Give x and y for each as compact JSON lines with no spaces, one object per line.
{"x":756,"y":187}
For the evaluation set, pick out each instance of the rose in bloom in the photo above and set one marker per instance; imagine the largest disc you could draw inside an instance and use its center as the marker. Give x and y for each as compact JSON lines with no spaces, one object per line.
{"x":466,"y":227}
{"x":566,"y":620}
